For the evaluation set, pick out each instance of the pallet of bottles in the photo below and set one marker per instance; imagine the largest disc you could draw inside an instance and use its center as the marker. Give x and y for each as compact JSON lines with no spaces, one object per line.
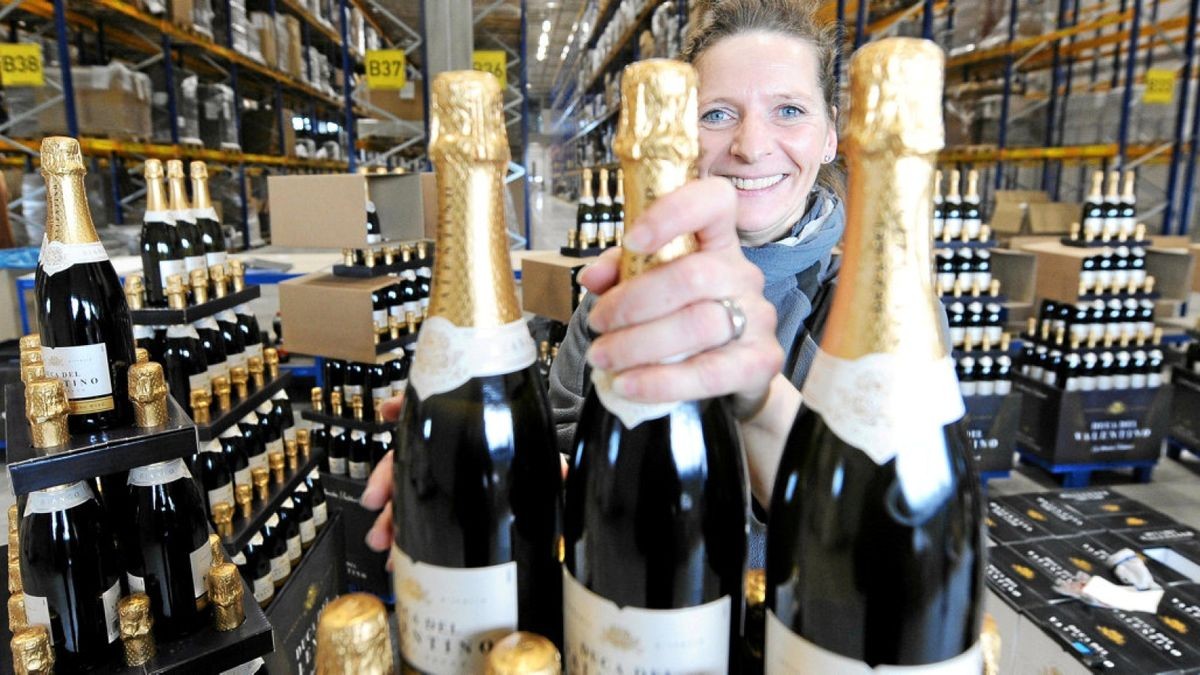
{"x":1043,"y":541}
{"x":298,"y":603}
{"x":599,"y":220}
{"x":367,"y":263}
{"x":1109,"y":217}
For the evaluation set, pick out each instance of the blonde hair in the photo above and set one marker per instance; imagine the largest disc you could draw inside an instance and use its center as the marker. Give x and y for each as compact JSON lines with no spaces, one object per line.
{"x":719,"y":19}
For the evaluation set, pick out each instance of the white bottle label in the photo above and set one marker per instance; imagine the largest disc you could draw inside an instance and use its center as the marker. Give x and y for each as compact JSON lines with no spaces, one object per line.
{"x":201,"y":561}
{"x":136,"y":584}
{"x":275,"y":446}
{"x":84,"y":371}
{"x":449,"y":618}
{"x":788,"y":653}
{"x":172,"y":268}
{"x":259,"y":461}
{"x":264,"y":589}
{"x":199,"y":381}
{"x":871,"y":404}
{"x":195,"y":262}
{"x":37,"y":613}
{"x":294,"y":548}
{"x":380,"y":317}
{"x":281,"y":567}
{"x":57,"y":256}
{"x":242,"y":477}
{"x":308,"y":531}
{"x":600,"y":636}
{"x":159,"y":473}
{"x":320,"y":514}
{"x":381,"y":393}
{"x":359,"y":470}
{"x":221,"y":494}
{"x":448,"y":356}
{"x":337,"y":465}
{"x":214,"y":258}
{"x":111,"y":620}
{"x":53,"y":501}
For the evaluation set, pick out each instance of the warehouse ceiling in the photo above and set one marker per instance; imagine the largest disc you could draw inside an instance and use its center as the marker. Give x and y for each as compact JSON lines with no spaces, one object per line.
{"x":501,"y":20}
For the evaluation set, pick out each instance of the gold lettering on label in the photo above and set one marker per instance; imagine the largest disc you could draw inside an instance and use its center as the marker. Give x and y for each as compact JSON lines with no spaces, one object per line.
{"x":1110,"y":508}
{"x":1117,"y":408}
{"x":1036,"y":515}
{"x":1114,"y":635}
{"x":413,"y":590}
{"x":1174,"y":624}
{"x":1023,"y":571}
{"x":310,"y":598}
{"x":1135,"y":521}
{"x":621,"y":639}
{"x":1081,"y":564}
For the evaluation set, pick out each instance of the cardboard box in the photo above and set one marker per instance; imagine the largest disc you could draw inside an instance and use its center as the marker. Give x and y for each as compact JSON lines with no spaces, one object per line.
{"x":1017,"y":273}
{"x":181,"y":13}
{"x":1059,"y":267}
{"x":1053,"y":217}
{"x":1009,"y":209}
{"x":407,"y":103}
{"x":294,"y":63}
{"x":111,"y":101}
{"x":263,"y":26}
{"x":548,"y":286}
{"x":330,"y":316}
{"x":318,"y":579}
{"x":329,"y":210}
{"x":366,"y":570}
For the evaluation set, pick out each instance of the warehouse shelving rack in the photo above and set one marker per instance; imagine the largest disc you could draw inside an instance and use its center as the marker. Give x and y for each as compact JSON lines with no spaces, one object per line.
{"x":127,"y":27}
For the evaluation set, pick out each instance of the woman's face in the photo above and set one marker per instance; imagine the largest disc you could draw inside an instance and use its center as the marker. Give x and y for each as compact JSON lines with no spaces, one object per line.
{"x":764,"y":127}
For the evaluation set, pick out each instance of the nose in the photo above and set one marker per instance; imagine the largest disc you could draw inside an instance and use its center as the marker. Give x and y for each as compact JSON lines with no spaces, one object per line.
{"x":752,"y":141}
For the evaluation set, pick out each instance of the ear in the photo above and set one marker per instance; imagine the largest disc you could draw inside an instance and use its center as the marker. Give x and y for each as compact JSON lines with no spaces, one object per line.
{"x":831,"y":136}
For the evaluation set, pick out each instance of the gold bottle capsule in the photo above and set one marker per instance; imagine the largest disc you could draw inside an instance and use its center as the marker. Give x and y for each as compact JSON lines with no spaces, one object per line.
{"x":291,"y":449}
{"x":30,"y":342}
{"x":572,"y":238}
{"x":257,"y":372}
{"x":1148,"y":286}
{"x":335,"y":402}
{"x":275,"y":460}
{"x":237,"y":272}
{"x":46,"y":410}
{"x":215,"y":546}
{"x":224,"y":585}
{"x":261,"y":478}
{"x":15,"y":583}
{"x":1075,"y":231}
{"x":994,"y":287}
{"x":222,"y":390}
{"x":240,"y":377}
{"x":410,"y":321}
{"x":137,"y":629}
{"x":219,"y":276}
{"x":17,"y":618}
{"x":32,"y":652}
{"x":985,"y":233}
{"x":198,"y":279}
{"x":524,"y":653}
{"x":422,"y":250}
{"x":348,"y":257}
{"x":304,"y":443}
{"x":353,"y":637}
{"x":389,"y":257}
{"x":135,"y":291}
{"x":140,"y":355}
{"x":200,"y":401}
{"x":222,"y":515}
{"x":317,"y":398}
{"x":33,"y":371}
{"x":148,"y":391}
{"x":28,"y":360}
{"x":1139,"y":232}
{"x":244,"y":494}
{"x":406,"y":253}
{"x":271,"y":360}
{"x":14,"y":521}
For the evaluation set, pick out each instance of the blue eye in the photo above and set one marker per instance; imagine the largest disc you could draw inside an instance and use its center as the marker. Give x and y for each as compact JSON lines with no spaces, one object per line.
{"x":790,"y":111}
{"x":713,"y":116}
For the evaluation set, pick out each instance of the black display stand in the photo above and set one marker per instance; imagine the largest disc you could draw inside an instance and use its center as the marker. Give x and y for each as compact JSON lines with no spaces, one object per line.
{"x":956,"y":244}
{"x":161,"y":316}
{"x":227,"y":418}
{"x":1112,"y":243}
{"x":380,"y":269}
{"x":966,"y":298}
{"x":328,"y":420}
{"x":575,"y":252}
{"x":245,"y":528}
{"x":366,"y":570}
{"x":386,"y":346}
{"x":86,"y":457}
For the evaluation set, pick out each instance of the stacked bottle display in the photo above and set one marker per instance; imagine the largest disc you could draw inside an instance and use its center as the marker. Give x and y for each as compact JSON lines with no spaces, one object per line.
{"x":356,"y":391}
{"x":105,"y":565}
{"x":399,"y":308}
{"x":600,"y":216}
{"x":1096,"y":346}
{"x":963,"y":263}
{"x":1109,"y":213}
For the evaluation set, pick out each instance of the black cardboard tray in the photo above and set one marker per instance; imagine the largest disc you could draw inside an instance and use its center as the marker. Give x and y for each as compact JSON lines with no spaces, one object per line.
{"x":328,"y":420}
{"x":386,"y":346}
{"x":83,"y":457}
{"x":380,"y":269}
{"x":244,"y":529}
{"x":207,"y":432}
{"x":956,"y":244}
{"x":158,"y":316}
{"x":949,"y":299}
{"x":1079,"y":243}
{"x":589,"y":252}
{"x":206,"y":651}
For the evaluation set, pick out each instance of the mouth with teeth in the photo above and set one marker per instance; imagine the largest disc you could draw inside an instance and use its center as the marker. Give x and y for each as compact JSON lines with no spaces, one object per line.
{"x":756,"y":184}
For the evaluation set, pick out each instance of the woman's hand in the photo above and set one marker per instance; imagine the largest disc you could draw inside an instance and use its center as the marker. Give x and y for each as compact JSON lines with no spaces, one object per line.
{"x":675,"y":309}
{"x":378,"y":493}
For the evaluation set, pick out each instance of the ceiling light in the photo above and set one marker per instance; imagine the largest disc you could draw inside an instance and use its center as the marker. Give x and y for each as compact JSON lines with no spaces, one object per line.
{"x":551,"y":4}
{"x":546,"y":26}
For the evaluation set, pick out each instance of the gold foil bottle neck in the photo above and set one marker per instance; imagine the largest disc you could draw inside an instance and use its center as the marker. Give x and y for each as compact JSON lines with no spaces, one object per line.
{"x":271,"y":359}
{"x":200,"y":195}
{"x":240,"y":377}
{"x":137,"y":624}
{"x":356,"y":405}
{"x":198,"y":279}
{"x":1114,"y":185}
{"x":222,"y":514}
{"x":30,"y":342}
{"x":254,"y":365}
{"x":156,"y":194}
{"x":33,"y":371}
{"x":17,"y":618}
{"x":222,"y":389}
{"x":31,"y":651}
{"x":353,"y":637}
{"x":244,"y":494}
{"x":220,"y":282}
{"x":135,"y":289}
{"x":472,"y":280}
{"x":225,"y":591}
{"x":262,"y":479}
{"x":291,"y":450}
{"x":68,"y":218}
{"x":141,"y":355}
{"x":214,"y":544}
{"x":148,"y":391}
{"x":46,"y":410}
{"x":657,"y":142}
{"x":885,"y":301}
{"x":176,"y":186}
{"x":524,"y":653}
{"x":276,"y":462}
{"x":14,"y":521}
{"x":15,"y":583}
{"x":201,"y":399}
{"x":237,"y":272}
{"x":335,"y":402}
{"x":756,"y":587}
{"x":318,"y":399}
{"x":304,"y":442}
{"x":176,"y":293}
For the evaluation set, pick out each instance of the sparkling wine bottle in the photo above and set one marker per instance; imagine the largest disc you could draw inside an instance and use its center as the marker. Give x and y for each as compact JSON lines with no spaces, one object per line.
{"x":161,"y":256}
{"x":190,"y":241}
{"x":875,"y":554}
{"x":211,"y":233}
{"x":657,"y":504}
{"x":476,"y":476}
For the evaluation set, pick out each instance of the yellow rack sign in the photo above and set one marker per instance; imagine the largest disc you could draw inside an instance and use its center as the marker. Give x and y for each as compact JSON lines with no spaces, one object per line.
{"x":386,"y":69}
{"x":493,"y":61}
{"x":21,"y":65}
{"x":1160,"y":86}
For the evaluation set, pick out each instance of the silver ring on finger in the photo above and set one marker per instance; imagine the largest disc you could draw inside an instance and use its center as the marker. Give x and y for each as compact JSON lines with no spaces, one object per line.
{"x":737,"y":318}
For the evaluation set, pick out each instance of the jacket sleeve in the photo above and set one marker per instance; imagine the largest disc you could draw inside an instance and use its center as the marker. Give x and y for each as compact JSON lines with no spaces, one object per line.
{"x":569,"y":376}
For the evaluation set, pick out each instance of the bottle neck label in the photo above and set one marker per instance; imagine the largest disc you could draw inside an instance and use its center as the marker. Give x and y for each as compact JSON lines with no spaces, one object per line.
{"x":57,"y":256}
{"x":631,"y":413}
{"x":600,"y":635}
{"x":448,"y":356}
{"x":54,"y":501}
{"x":891,"y":406}
{"x":450,"y":617}
{"x":159,"y":474}
{"x":787,"y":652}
